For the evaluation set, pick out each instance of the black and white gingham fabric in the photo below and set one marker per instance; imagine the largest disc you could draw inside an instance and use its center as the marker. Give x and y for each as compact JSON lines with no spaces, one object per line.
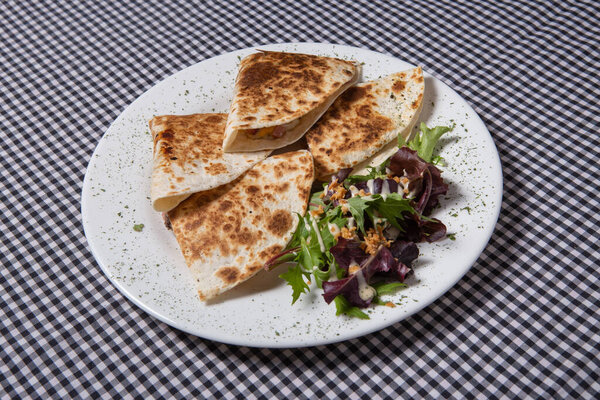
{"x":523,"y":323}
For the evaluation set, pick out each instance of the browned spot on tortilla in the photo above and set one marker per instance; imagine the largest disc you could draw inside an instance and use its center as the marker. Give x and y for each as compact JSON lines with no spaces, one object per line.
{"x":364,"y":111}
{"x":228,"y":275}
{"x":243,"y":237}
{"x":398,"y":86}
{"x":225,"y":249}
{"x":304,"y":192}
{"x":353,"y":94}
{"x":216,"y":168}
{"x":417,"y":102}
{"x":269,"y":196}
{"x":225,"y":205}
{"x":253,"y":268}
{"x":279,"y":222}
{"x":252,"y":189}
{"x":270,"y":252}
{"x":179,"y":179}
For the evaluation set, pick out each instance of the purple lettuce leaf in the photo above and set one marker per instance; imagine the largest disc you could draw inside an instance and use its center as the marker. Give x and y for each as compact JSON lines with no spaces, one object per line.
{"x":425,"y":192}
{"x":347,"y":250}
{"x":347,"y":287}
{"x":381,"y":262}
{"x":438,"y":187}
{"x":433,"y":230}
{"x":417,"y":229}
{"x":342,"y":174}
{"x":406,"y":162}
{"x":405,"y":253}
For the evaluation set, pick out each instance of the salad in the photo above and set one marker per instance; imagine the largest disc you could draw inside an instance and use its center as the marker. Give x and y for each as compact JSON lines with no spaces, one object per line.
{"x":359,"y":237}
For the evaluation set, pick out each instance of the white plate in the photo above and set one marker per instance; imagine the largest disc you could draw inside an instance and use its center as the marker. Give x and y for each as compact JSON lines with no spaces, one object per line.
{"x":148,"y":268}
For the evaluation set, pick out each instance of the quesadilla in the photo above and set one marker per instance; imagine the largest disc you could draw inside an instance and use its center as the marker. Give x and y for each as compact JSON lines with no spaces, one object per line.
{"x":227,"y":234}
{"x":366,"y":119}
{"x":188,"y":157}
{"x":279,"y":96}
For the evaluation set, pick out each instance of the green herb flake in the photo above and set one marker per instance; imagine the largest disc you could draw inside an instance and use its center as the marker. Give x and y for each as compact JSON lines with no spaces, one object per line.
{"x":138,"y":227}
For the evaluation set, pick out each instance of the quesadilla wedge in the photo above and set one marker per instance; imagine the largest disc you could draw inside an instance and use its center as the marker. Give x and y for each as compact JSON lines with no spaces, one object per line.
{"x":227,"y":234}
{"x":189,"y":158}
{"x":364,"y":119}
{"x":279,"y":96}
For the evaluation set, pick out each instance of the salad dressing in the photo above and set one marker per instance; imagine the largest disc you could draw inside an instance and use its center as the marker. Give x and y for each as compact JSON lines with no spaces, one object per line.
{"x":385,"y":189}
{"x":365,"y":291}
{"x":353,"y":267}
{"x":332,"y":273}
{"x":400,"y":189}
{"x":319,"y":238}
{"x":370,"y":184}
{"x":333,"y":228}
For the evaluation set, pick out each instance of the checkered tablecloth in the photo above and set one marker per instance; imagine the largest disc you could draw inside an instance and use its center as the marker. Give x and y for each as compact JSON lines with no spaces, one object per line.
{"x":523,"y":323}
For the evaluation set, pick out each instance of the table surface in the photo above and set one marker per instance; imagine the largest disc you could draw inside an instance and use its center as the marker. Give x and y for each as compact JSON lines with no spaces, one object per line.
{"x":523,"y":322}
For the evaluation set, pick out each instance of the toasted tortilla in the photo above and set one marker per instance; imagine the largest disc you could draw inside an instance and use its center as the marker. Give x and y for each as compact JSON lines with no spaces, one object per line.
{"x":366,"y":120}
{"x":276,"y":89}
{"x":189,"y":158}
{"x":227,"y":234}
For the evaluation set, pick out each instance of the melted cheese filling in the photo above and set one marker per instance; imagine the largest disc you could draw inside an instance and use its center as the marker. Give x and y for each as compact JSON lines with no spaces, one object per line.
{"x":267,"y":131}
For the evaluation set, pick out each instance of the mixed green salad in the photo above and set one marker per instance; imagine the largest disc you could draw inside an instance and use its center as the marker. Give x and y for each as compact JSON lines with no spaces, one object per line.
{"x":359,"y":237}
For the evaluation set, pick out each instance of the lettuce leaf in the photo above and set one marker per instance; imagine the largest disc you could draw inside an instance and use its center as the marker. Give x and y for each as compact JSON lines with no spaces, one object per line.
{"x":391,"y":207}
{"x":342,"y":306}
{"x":384,"y":288}
{"x":357,"y":206}
{"x":295,"y":278}
{"x":373,"y":173}
{"x":425,"y":141}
